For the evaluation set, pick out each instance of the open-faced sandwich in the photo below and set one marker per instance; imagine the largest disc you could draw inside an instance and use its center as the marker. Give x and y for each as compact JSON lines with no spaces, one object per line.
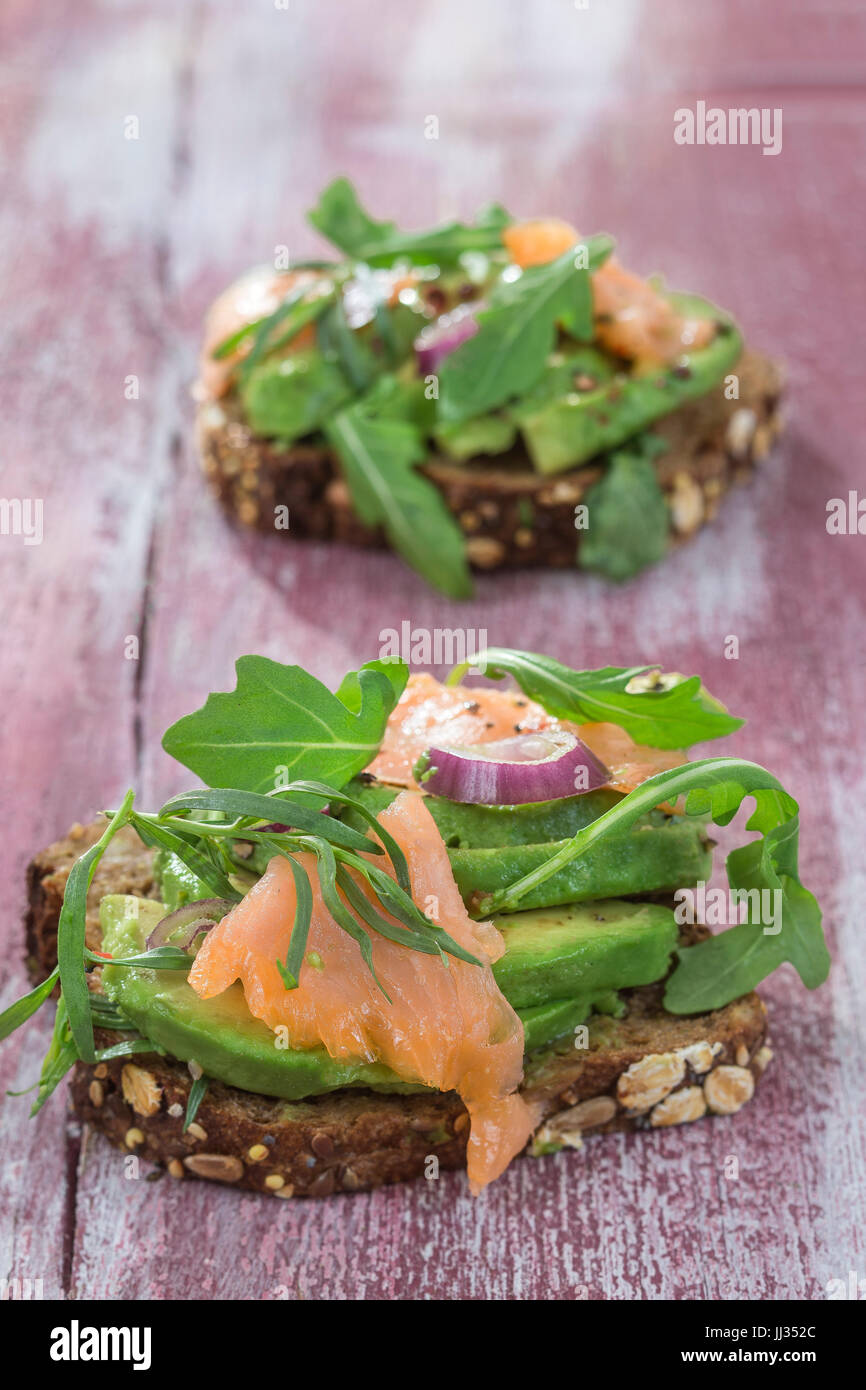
{"x":409,"y":926}
{"x":488,"y":395}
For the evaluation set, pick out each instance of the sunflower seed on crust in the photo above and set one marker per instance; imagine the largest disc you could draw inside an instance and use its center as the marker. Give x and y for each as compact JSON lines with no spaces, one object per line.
{"x":728,"y":1088}
{"x":679,"y":1108}
{"x":649,"y":1080}
{"x":216,"y":1167}
{"x":140,"y":1090}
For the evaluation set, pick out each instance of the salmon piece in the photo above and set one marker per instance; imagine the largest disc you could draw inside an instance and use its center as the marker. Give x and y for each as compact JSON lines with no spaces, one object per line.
{"x":430,"y":713}
{"x":252,"y":297}
{"x":629,"y":763}
{"x":539,"y":241}
{"x":449,"y":1027}
{"x":634,"y":321}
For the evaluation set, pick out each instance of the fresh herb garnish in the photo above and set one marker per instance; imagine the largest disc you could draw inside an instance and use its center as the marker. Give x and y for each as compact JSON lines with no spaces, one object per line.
{"x":70,"y":935}
{"x":26,"y":1007}
{"x":176,"y":841}
{"x":628,"y":517}
{"x":302,"y":305}
{"x":722,"y":968}
{"x":664,"y":715}
{"x":340,"y":217}
{"x":196,"y":1095}
{"x":281,"y":722}
{"x":338,"y":849}
{"x":517,"y":332}
{"x":379,"y":455}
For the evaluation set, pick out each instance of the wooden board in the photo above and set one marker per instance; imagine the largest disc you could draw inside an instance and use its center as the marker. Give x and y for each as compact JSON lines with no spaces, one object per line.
{"x":109,"y":251}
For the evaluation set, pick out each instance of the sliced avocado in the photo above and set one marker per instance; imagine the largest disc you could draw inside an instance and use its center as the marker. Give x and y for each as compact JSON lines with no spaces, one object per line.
{"x":491,"y":846}
{"x":287,"y":397}
{"x":556,"y":953}
{"x":220,"y":1034}
{"x":544,"y":1023}
{"x":656,"y":856}
{"x":230,"y":1045}
{"x":177,"y":883}
{"x":563,"y":431}
{"x":483,"y":434}
{"x":478,"y":827}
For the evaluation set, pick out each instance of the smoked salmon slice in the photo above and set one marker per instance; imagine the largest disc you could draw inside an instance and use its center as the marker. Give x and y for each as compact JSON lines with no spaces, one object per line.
{"x":448,"y":1026}
{"x":632,"y":319}
{"x":254,"y":296}
{"x":429,"y":713}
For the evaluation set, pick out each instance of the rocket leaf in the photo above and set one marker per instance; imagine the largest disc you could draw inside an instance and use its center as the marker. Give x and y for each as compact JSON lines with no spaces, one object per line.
{"x":340,"y":217}
{"x":517,"y":332}
{"x":280,"y":723}
{"x":664,"y":715}
{"x":379,"y":452}
{"x":724,"y":967}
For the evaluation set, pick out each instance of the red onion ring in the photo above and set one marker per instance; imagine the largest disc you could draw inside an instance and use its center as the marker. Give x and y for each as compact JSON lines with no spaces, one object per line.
{"x":543,"y":766}
{"x":197,"y":917}
{"x":435,"y":342}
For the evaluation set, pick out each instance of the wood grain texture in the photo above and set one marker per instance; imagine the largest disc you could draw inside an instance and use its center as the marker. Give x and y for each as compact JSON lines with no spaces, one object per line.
{"x":109,"y":251}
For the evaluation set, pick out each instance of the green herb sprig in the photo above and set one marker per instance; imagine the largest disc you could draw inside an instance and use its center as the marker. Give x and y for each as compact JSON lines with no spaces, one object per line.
{"x":724,"y":967}
{"x":342,"y":856}
{"x":281,"y":716}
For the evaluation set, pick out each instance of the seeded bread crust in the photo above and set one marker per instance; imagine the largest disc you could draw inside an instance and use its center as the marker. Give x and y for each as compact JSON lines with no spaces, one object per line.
{"x":511,"y":515}
{"x":646,"y":1070}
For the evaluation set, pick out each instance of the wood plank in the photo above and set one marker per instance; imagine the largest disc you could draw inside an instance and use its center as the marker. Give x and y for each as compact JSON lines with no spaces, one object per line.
{"x":534,"y":109}
{"x":76,"y":324}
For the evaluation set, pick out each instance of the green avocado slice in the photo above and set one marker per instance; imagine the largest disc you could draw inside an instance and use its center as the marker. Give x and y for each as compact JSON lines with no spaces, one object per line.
{"x":288,"y":397}
{"x":479,"y":827}
{"x":568,"y":430}
{"x":657,"y":855}
{"x":588,"y":948}
{"x":230,"y":1045}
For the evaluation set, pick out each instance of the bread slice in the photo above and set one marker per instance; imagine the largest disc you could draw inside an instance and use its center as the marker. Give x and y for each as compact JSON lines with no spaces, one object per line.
{"x":646,"y":1070}
{"x":511,"y":515}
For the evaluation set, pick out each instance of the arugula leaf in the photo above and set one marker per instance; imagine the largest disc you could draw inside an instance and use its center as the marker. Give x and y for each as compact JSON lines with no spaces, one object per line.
{"x":628,"y":518}
{"x":394,"y":670}
{"x":337,"y":339}
{"x":714,"y":972}
{"x":516,"y":334}
{"x":282,"y":717}
{"x":340,"y":217}
{"x":378,"y":454}
{"x":662,"y":716}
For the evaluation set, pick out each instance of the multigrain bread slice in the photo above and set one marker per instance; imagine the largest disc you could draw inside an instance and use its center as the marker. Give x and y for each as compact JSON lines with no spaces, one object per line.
{"x":646,"y":1070}
{"x":511,"y":515}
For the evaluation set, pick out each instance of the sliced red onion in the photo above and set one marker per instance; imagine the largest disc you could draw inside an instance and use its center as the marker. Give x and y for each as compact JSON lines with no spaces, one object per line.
{"x":197,"y":917}
{"x":435,"y":342}
{"x":543,"y":766}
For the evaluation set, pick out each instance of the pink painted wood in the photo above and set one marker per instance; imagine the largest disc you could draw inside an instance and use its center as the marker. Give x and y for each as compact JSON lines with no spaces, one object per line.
{"x":111,"y":248}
